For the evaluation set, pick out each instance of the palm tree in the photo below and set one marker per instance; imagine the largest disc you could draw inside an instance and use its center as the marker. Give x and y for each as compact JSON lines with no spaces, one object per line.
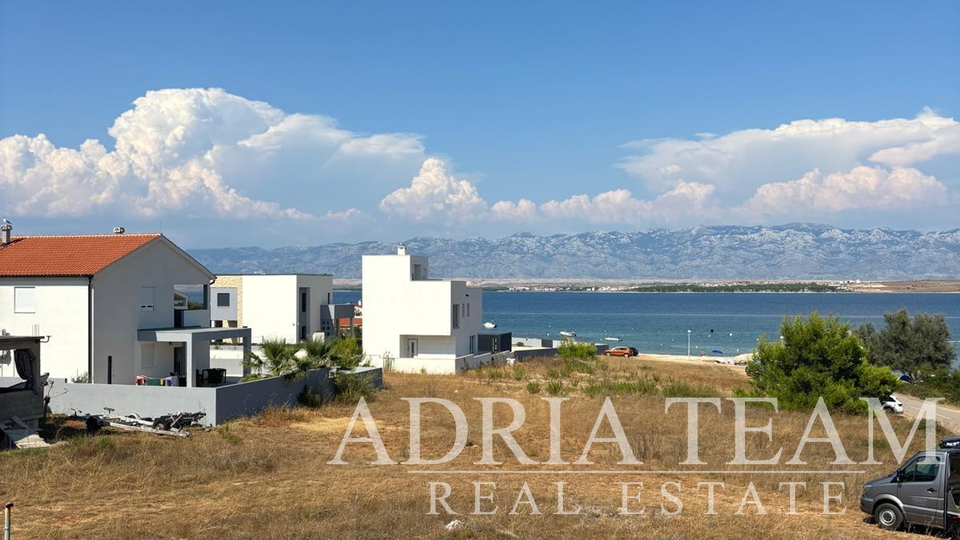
{"x":276,"y":360}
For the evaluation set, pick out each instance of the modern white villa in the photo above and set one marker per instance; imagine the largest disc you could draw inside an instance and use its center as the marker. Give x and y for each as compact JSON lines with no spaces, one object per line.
{"x":414,"y":323}
{"x":293,"y":307}
{"x":114,"y":306}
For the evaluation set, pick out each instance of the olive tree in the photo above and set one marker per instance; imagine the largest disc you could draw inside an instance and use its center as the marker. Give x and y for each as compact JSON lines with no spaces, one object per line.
{"x":911,"y":347}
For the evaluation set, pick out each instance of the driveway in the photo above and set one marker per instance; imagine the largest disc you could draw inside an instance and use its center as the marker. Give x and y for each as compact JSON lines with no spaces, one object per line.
{"x":946,"y":416}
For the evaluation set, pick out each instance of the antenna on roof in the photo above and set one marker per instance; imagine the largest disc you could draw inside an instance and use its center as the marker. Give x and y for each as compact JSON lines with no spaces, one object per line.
{"x":119,"y":230}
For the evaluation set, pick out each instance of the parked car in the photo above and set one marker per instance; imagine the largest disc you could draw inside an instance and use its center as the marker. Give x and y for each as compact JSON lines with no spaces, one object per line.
{"x":950,"y":442}
{"x":925,"y":492}
{"x":621,"y":351}
{"x":892,"y":404}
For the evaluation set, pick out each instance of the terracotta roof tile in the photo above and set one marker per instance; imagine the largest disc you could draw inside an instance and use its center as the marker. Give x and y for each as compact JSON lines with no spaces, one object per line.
{"x":73,"y":255}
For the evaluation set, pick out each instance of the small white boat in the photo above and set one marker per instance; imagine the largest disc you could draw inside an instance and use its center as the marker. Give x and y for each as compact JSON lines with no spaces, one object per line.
{"x":612,"y":339}
{"x":564,"y":333}
{"x":489,"y":325}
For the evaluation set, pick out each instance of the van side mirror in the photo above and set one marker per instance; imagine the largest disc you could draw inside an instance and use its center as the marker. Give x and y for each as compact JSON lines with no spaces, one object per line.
{"x":898,"y":476}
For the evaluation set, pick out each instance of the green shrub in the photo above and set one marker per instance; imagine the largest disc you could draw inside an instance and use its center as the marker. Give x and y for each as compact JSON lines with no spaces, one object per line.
{"x":555,"y":388}
{"x":572,"y":349}
{"x":351,"y":386}
{"x":533,"y":387}
{"x":681,"y":389}
{"x":308,"y":397}
{"x":518,"y":373}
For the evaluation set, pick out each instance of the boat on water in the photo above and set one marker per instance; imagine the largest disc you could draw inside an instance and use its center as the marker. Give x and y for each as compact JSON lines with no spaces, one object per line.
{"x":613,"y":339}
{"x":489,"y":325}
{"x":564,"y":333}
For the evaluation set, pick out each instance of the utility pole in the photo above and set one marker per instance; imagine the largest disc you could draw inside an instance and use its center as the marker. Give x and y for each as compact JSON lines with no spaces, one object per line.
{"x":688,"y":344}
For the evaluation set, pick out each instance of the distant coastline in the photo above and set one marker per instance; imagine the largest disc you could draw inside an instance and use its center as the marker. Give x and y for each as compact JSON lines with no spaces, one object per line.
{"x":619,"y":286}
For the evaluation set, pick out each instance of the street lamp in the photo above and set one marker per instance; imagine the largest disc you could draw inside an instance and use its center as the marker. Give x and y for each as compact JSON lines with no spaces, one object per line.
{"x":688,"y":344}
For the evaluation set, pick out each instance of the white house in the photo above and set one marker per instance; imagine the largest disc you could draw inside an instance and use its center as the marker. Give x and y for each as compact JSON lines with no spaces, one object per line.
{"x":114,"y":306}
{"x":293,"y":307}
{"x":414,"y":323}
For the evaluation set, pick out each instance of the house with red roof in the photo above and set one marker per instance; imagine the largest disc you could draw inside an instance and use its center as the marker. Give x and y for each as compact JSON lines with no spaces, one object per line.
{"x":112,"y":307}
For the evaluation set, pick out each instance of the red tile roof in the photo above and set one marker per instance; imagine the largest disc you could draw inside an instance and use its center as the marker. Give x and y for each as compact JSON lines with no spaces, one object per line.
{"x":73,"y":255}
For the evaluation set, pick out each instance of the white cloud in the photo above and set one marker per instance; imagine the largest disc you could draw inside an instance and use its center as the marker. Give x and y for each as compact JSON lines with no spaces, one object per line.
{"x":435,"y":192}
{"x":741,"y":161}
{"x":899,"y":189}
{"x":686,"y":199}
{"x":206,"y":153}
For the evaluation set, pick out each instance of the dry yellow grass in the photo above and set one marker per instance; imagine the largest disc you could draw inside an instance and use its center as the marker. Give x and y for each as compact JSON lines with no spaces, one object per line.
{"x":267,"y":478}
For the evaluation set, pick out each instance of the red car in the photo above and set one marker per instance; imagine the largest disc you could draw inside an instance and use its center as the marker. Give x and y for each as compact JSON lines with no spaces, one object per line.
{"x":621,"y":351}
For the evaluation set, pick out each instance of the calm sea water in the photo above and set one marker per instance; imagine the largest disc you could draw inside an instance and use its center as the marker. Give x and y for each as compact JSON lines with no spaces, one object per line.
{"x":658,"y":322}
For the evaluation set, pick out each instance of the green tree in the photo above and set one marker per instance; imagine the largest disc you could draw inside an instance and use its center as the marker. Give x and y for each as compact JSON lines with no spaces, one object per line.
{"x":818,"y":357}
{"x":347,"y":352}
{"x":911,"y":347}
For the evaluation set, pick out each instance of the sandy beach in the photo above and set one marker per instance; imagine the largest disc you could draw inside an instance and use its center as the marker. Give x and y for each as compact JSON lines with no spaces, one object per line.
{"x":709,"y":359}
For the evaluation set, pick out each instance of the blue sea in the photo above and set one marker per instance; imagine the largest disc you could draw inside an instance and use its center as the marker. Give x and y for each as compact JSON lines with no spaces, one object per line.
{"x":658,"y":322}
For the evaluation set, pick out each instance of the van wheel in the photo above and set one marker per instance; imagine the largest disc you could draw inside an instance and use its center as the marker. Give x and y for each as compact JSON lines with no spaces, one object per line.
{"x":888,"y":516}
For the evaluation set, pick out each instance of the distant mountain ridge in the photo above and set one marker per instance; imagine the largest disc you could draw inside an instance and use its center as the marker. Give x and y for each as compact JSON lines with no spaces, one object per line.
{"x":789,"y":252}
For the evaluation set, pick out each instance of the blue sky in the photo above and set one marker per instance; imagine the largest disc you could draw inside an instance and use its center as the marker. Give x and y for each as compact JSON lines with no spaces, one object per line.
{"x":460,"y":107}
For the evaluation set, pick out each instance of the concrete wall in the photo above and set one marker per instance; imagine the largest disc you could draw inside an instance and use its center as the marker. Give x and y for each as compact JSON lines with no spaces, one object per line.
{"x":224,"y":313}
{"x":60,"y":312}
{"x":219,"y":403}
{"x":235,"y":283}
{"x":117,"y":313}
{"x":270,"y":307}
{"x":436,"y":365}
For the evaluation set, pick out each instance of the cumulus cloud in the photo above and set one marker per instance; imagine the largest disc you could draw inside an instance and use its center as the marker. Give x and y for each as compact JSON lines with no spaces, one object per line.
{"x":861,"y":188}
{"x":741,"y":161}
{"x":205,"y":152}
{"x":435,"y":192}
{"x":618,"y":206}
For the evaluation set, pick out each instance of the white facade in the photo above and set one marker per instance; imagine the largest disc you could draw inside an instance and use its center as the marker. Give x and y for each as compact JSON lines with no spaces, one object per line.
{"x":416,"y":323}
{"x":60,"y":310}
{"x":95,"y":318}
{"x":288,"y":306}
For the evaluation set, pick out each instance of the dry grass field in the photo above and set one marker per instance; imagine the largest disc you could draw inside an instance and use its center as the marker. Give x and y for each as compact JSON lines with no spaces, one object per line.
{"x":267,"y":477}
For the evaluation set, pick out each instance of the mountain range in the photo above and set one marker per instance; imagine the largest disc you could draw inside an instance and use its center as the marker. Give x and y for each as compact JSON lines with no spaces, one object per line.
{"x":786,"y":252}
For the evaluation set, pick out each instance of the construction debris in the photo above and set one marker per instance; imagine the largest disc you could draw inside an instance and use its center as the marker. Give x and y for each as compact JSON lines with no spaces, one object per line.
{"x":16,"y":434}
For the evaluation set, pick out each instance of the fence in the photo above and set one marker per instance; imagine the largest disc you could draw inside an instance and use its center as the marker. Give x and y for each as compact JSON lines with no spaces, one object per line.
{"x":220,"y":403}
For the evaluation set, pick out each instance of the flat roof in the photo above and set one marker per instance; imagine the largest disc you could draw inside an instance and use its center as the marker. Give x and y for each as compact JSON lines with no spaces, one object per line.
{"x":286,"y":274}
{"x":183,"y":334}
{"x":21,"y":338}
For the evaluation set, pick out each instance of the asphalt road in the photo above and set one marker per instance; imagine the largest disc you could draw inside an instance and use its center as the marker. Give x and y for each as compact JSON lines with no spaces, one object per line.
{"x":947,"y":417}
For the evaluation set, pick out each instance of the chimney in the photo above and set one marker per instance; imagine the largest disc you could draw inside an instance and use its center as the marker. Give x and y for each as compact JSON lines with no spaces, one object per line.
{"x":5,"y":232}
{"x":119,"y":230}
{"x":401,"y":249}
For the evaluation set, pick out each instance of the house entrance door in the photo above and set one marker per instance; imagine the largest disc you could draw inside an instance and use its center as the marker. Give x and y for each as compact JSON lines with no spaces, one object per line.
{"x":412,"y":348}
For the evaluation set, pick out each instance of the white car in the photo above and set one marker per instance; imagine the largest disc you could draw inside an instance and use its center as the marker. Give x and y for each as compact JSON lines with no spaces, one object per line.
{"x":892,"y":404}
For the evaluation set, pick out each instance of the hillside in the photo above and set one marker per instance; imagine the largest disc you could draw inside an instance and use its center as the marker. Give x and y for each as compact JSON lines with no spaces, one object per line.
{"x":788,"y":252}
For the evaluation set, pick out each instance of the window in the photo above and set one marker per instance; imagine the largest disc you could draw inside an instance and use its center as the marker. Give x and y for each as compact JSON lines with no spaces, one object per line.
{"x":223,"y":299}
{"x":303,"y":301}
{"x":24,"y":300}
{"x":329,"y":298}
{"x":468,"y":310}
{"x":456,"y":316}
{"x":473,"y":344}
{"x":922,"y":469}
{"x":146,"y":298}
